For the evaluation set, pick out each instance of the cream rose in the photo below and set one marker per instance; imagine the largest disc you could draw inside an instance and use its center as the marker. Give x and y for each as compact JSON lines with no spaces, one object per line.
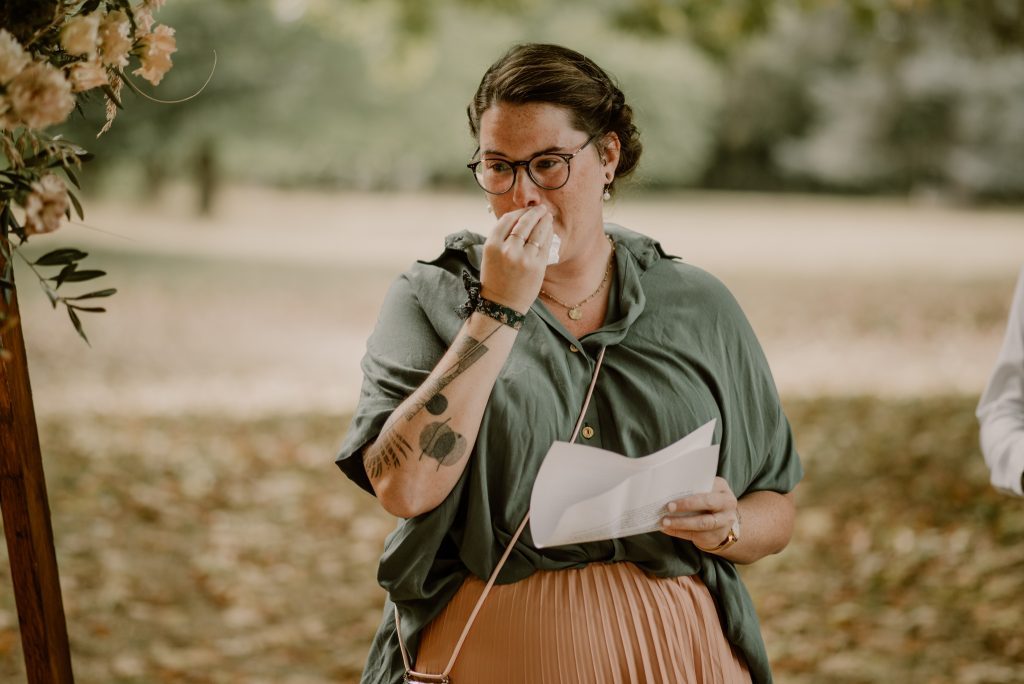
{"x":80,"y":36}
{"x":143,"y":20}
{"x":13,"y":57}
{"x":46,"y":205}
{"x":115,"y":29}
{"x":87,"y":75}
{"x":40,"y":96}
{"x":157,"y":48}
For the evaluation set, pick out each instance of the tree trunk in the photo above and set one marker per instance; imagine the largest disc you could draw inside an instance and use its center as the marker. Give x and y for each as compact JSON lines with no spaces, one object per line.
{"x":26,"y":517}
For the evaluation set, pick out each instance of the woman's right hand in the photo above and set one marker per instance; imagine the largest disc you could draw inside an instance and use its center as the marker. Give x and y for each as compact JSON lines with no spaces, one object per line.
{"x":516,"y":256}
{"x":422,"y":450}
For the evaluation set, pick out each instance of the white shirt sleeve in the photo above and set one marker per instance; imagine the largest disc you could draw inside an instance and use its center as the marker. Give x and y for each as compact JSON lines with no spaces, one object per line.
{"x":1001,"y":409}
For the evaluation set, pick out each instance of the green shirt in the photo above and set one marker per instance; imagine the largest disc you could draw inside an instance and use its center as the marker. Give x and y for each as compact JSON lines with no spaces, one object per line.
{"x":679,"y":353}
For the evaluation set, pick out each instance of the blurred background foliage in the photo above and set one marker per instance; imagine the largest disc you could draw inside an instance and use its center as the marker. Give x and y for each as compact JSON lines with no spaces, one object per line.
{"x":865,"y":96}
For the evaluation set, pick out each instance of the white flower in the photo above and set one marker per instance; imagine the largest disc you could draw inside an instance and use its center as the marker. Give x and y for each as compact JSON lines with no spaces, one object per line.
{"x":87,"y":75}
{"x":115,"y":43}
{"x":13,"y":57}
{"x":40,"y":96}
{"x":46,"y":205}
{"x":157,"y":48}
{"x":80,"y":36}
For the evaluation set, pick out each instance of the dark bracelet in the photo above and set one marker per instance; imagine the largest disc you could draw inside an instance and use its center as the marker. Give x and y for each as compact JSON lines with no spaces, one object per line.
{"x":476,"y":302}
{"x":500,"y":313}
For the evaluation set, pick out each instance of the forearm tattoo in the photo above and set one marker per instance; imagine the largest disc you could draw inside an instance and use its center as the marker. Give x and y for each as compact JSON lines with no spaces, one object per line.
{"x":437,"y":440}
{"x":441,"y":443}
{"x":388,"y":453}
{"x":468,"y":352}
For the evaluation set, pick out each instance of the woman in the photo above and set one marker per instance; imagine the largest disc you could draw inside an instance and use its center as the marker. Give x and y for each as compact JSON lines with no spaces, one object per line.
{"x":466,"y":387}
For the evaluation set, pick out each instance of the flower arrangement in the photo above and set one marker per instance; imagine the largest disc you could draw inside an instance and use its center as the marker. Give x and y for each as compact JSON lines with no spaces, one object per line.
{"x":52,"y":52}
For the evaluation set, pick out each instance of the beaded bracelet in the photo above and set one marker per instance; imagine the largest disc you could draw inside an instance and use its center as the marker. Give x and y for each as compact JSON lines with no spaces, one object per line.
{"x":477,"y":302}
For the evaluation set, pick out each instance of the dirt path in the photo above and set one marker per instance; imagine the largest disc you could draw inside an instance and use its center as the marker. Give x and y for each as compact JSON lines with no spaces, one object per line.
{"x":265,"y":308}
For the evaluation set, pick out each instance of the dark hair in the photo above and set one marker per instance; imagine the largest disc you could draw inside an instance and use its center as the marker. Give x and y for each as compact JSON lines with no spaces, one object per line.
{"x":538,"y":72}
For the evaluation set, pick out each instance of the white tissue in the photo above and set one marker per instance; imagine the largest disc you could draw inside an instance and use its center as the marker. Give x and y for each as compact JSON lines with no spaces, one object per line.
{"x":556,"y":243}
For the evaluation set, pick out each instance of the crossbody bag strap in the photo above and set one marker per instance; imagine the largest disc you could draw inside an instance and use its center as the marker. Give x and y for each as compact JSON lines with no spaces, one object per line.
{"x":508,"y":549}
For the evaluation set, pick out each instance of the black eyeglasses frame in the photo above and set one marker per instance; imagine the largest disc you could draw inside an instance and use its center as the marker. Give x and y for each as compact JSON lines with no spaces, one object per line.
{"x":566,"y":156}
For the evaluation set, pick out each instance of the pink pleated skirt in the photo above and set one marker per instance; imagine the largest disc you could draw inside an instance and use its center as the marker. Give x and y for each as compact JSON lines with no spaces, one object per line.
{"x":603,"y":623}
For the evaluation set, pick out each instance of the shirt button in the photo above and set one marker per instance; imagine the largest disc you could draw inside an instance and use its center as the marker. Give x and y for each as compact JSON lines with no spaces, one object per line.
{"x":588,"y":432}
{"x":573,"y":349}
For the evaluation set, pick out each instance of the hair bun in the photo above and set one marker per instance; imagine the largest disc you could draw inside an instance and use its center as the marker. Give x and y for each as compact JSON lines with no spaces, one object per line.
{"x":538,"y":72}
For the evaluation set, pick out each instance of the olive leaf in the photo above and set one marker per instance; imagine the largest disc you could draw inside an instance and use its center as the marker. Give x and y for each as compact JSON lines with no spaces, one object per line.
{"x":79,"y":276}
{"x":78,"y":206}
{"x":77,"y":322}
{"x":93,"y":295}
{"x":60,"y":256}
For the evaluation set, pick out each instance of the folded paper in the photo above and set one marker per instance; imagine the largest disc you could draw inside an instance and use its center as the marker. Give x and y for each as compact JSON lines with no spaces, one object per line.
{"x":584,"y":494}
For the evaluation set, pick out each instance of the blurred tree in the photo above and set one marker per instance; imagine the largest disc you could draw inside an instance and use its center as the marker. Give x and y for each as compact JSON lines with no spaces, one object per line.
{"x":865,"y":95}
{"x":914,"y":104}
{"x":207,"y":177}
{"x":722,"y":27}
{"x":715,"y":26}
{"x":372,"y":94}
{"x":253,"y":103}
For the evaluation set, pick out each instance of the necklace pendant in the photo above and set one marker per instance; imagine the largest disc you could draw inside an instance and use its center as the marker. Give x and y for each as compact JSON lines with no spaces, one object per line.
{"x":575,"y":313}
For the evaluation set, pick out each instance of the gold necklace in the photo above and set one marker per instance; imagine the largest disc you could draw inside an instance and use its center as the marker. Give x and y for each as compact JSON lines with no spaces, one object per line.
{"x":576,"y":312}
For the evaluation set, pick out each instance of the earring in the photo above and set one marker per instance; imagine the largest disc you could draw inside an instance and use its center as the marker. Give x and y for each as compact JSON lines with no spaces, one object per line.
{"x":490,"y":209}
{"x":607,"y":195}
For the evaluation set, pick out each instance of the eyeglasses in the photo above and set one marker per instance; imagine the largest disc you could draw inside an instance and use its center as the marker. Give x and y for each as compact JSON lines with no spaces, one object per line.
{"x":549,"y":170}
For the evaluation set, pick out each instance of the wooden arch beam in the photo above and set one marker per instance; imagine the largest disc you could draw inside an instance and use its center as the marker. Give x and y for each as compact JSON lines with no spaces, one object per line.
{"x":26,"y":518}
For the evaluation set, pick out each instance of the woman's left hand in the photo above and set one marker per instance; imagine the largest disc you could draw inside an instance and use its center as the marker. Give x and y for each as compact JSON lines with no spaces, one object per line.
{"x":704,"y":519}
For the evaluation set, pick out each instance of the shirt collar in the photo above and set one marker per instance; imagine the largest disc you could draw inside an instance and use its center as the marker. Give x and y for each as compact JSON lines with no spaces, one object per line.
{"x":634,"y":254}
{"x":644,"y":250}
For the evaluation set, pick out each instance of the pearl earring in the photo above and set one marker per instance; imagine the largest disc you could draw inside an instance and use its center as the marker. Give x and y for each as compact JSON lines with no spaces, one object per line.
{"x":607,"y":195}
{"x":490,"y":209}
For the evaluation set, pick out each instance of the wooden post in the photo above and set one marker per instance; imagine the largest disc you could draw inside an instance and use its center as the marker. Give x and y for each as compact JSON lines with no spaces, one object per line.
{"x":26,"y":518}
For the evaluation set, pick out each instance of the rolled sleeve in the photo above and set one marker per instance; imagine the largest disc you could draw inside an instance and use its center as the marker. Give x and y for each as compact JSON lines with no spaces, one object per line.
{"x":781,"y":470}
{"x":1001,"y":409}
{"x":400,"y":353}
{"x":762,"y":455}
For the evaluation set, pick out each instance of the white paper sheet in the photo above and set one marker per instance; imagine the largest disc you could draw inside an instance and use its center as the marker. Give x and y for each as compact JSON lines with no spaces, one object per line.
{"x":583,"y":493}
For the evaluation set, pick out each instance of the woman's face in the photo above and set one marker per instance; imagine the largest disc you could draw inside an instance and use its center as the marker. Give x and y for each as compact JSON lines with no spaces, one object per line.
{"x":516,"y":132}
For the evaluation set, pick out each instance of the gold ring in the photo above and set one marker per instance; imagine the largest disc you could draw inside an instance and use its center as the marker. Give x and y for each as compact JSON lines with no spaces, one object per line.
{"x":535,"y":244}
{"x":513,"y":235}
